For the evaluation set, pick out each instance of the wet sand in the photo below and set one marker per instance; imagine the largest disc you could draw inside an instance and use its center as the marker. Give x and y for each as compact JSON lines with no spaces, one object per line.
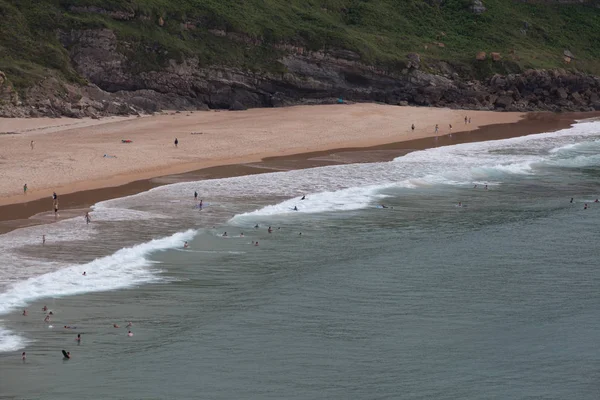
{"x":39,"y":211}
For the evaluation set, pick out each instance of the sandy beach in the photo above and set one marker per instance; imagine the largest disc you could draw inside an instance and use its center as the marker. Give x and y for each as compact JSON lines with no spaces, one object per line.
{"x":74,"y":155}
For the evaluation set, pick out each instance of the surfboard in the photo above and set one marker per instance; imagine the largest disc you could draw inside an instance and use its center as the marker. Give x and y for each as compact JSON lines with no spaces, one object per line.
{"x":65,"y":354}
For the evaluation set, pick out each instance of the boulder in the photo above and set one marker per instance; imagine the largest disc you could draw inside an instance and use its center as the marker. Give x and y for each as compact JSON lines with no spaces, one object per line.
{"x":237,"y":106}
{"x":477,"y":7}
{"x":414,"y":60}
{"x":481,"y":56}
{"x":562,"y":93}
{"x":504,"y":101}
{"x":567,"y":53}
{"x":496,"y":56}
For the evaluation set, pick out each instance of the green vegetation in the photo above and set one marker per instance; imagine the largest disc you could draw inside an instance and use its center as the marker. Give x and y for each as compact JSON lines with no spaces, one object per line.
{"x":382,"y":32}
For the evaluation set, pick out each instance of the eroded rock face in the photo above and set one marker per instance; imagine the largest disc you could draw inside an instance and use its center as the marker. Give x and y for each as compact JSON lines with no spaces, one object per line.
{"x":117,"y":86}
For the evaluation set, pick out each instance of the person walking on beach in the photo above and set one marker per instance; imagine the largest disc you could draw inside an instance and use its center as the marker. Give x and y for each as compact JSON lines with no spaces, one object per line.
{"x":176,"y":142}
{"x":56,"y":209}
{"x":88,"y":219}
{"x":465,"y":120}
{"x":412,"y":127}
{"x":32,"y":144}
{"x":25,"y":189}
{"x":437,"y":129}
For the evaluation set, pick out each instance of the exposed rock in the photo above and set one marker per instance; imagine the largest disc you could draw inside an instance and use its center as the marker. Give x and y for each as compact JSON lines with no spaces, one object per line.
{"x":496,"y":56}
{"x":477,"y":7}
{"x":481,"y":56}
{"x":567,"y":53}
{"x":237,"y":106}
{"x":161,"y":21}
{"x":504,"y":101}
{"x":561,"y":93}
{"x":414,"y":60}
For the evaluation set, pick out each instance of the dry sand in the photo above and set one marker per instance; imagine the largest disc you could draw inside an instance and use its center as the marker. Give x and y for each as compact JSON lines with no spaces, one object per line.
{"x":68,"y":155}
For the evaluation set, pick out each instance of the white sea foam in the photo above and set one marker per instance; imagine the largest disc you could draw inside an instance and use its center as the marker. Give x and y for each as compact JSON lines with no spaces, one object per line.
{"x":126,"y":267}
{"x":10,"y":341}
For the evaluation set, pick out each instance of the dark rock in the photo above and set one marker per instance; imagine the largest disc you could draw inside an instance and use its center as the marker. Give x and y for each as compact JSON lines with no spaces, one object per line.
{"x":237,"y":106}
{"x":477,"y":7}
{"x":414,"y":60}
{"x":504,"y":101}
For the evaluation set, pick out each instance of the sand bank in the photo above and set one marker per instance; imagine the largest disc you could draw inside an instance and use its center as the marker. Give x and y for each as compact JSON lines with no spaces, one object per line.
{"x":75,"y":155}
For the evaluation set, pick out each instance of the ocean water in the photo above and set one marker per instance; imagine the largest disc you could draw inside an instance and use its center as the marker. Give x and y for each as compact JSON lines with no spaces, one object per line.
{"x":496,"y":299}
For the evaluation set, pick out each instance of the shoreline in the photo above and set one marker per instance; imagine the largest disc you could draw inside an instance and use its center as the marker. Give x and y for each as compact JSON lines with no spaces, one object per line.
{"x":38,"y":211}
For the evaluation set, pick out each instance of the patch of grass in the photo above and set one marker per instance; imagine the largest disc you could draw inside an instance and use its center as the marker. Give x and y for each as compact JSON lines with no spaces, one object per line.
{"x":382,"y":32}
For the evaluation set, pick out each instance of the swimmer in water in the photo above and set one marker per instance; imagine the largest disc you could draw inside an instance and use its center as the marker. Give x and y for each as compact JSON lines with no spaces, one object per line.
{"x":300,"y":234}
{"x":303,"y":197}
{"x":459,"y":204}
{"x":596,"y":201}
{"x":571,"y":200}
{"x":185,"y":245}
{"x":84,"y":273}
{"x":269,"y":230}
{"x":116,"y":326}
{"x":256,"y":243}
{"x":224,"y":234}
{"x":68,"y":356}
{"x":47,"y":319}
{"x":475,"y":187}
{"x":486,"y":188}
{"x":24,"y":313}
{"x":242,"y":234}
{"x":78,"y":339}
{"x":256,"y":226}
{"x":383,"y":206}
{"x":130,"y":334}
{"x":295,"y":208}
{"x":585,"y":206}
{"x":23,"y":356}
{"x":44,"y":309}
{"x":50,"y":313}
{"x":129,"y":324}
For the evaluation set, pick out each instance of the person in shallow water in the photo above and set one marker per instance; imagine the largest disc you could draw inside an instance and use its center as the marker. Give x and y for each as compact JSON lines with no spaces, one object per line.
{"x":295,"y":208}
{"x":585,"y":206}
{"x":269,"y":230}
{"x":571,"y":200}
{"x":185,"y":245}
{"x":303,"y":197}
{"x":130,"y":334}
{"x":78,"y":339}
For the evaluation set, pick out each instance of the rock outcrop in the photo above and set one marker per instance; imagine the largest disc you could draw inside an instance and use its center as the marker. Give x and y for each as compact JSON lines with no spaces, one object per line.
{"x":119,"y":85}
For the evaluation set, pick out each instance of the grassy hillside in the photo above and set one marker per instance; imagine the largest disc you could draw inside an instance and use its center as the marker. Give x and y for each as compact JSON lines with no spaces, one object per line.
{"x":382,"y":32}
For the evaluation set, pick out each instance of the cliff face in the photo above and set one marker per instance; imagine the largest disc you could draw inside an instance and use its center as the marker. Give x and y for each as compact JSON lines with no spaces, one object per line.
{"x":128,"y":73}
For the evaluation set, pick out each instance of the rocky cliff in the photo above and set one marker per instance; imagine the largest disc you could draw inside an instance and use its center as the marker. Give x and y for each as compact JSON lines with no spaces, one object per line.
{"x":114,"y":79}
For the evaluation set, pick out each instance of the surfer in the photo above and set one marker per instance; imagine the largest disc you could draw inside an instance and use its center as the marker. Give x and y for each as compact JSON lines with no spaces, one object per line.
{"x":185,"y":245}
{"x":270,"y":230}
{"x":195,"y":195}
{"x":303,"y":197}
{"x":130,"y":334}
{"x":88,"y":219}
{"x":295,"y":208}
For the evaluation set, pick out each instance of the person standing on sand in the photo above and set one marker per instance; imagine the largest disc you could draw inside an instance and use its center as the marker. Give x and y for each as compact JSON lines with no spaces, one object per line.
{"x":32,"y":144}
{"x":412,"y":127}
{"x":176,"y":142}
{"x":437,"y":129}
{"x":469,"y":119}
{"x":25,"y":189}
{"x":465,"y":120}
